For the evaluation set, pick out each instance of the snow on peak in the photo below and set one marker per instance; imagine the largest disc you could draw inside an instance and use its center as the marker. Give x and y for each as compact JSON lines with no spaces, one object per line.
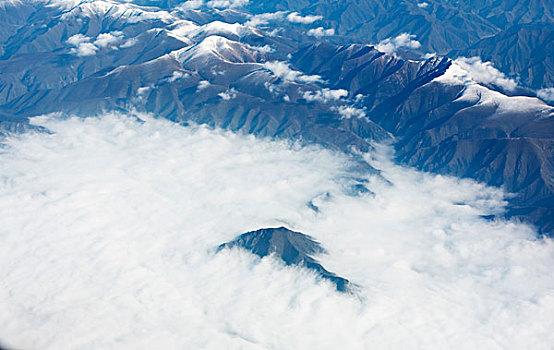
{"x":462,"y":73}
{"x":481,"y":95}
{"x":217,"y":46}
{"x":218,"y":27}
{"x":193,"y":31}
{"x":102,"y":8}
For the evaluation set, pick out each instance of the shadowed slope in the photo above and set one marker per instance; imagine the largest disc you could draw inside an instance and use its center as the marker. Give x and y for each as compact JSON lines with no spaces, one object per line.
{"x":294,"y":248}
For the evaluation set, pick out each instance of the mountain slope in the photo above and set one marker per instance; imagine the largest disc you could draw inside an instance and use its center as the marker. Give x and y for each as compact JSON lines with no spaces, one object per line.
{"x":205,"y":67}
{"x":293,"y":248}
{"x":522,"y":51}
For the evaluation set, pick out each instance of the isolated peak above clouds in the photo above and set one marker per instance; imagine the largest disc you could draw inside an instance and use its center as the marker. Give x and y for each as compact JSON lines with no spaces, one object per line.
{"x":113,"y":221}
{"x":293,"y":248}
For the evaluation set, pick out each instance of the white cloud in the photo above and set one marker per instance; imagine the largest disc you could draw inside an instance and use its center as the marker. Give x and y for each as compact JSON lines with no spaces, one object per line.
{"x":325,"y":95}
{"x":347,"y":112}
{"x":77,"y":39}
{"x":177,"y":75}
{"x":82,"y":44}
{"x":142,"y":93}
{"x":274,"y":89}
{"x":265,"y":18}
{"x":274,"y":32}
{"x":202,"y":84}
{"x":319,"y":32}
{"x":283,"y":71}
{"x":263,"y":49}
{"x":108,"y":39}
{"x":129,"y":43}
{"x":227,"y":3}
{"x":404,"y":40}
{"x":484,"y":72}
{"x":191,"y":5}
{"x":546,"y":94}
{"x":295,"y":17}
{"x":84,"y":47}
{"x":228,"y":94}
{"x":109,"y":227}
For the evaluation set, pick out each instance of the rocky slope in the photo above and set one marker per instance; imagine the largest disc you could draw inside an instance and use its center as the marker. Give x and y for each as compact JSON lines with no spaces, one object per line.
{"x":293,"y":248}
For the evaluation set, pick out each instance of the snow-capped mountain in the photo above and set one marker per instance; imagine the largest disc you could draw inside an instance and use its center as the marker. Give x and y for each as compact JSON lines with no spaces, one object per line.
{"x":246,"y":72}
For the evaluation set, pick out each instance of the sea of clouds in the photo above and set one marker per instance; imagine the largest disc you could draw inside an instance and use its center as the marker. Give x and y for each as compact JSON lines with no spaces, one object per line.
{"x":109,"y":227}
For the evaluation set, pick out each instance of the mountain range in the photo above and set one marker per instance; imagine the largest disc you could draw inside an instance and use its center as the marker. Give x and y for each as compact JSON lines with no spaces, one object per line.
{"x":309,"y":71}
{"x":276,"y":174}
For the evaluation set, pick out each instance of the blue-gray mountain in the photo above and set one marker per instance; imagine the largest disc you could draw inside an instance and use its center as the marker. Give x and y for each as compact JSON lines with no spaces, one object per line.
{"x":273,"y":79}
{"x":293,"y":248}
{"x":518,"y":32}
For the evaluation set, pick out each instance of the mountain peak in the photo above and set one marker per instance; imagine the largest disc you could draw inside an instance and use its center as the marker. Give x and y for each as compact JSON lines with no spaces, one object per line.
{"x":293,"y":248}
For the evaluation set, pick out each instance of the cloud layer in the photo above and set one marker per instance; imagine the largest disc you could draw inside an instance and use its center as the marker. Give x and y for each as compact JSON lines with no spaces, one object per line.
{"x":110,"y":223}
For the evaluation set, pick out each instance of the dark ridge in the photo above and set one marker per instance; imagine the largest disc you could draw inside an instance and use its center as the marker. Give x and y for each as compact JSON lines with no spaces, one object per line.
{"x":294,"y":248}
